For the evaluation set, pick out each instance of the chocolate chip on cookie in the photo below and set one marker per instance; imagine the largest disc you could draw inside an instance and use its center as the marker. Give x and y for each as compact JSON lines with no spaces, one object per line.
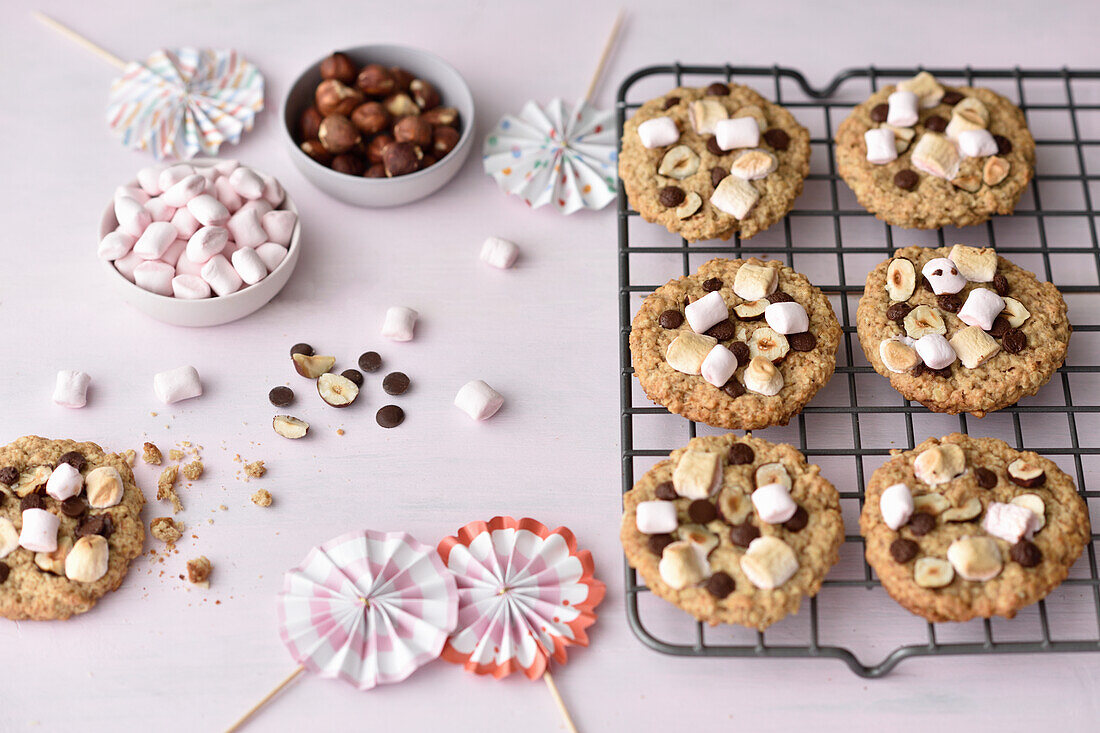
{"x":903,"y":550}
{"x":666,"y":491}
{"x":720,"y":585}
{"x":798,"y":521}
{"x":740,"y":454}
{"x":712,"y":284}
{"x":949,"y":302}
{"x":75,"y":459}
{"x":33,"y":500}
{"x":802,"y":341}
{"x":97,"y":524}
{"x":741,"y":350}
{"x":716,"y":176}
{"x":658,"y":542}
{"x":906,"y":179}
{"x":671,"y":319}
{"x":921,"y":523}
{"x":1014,"y":341}
{"x":714,"y":148}
{"x":396,"y":383}
{"x":780,"y":297}
{"x":671,"y":102}
{"x":723,"y":330}
{"x":9,"y":475}
{"x":999,"y":328}
{"x":935,"y":123}
{"x":986,"y":479}
{"x":702,"y":511}
{"x":733,"y":388}
{"x":74,"y":506}
{"x":1004,"y":145}
{"x":280,"y":396}
{"x":1000,"y":284}
{"x":880,"y":112}
{"x":5,"y":571}
{"x":671,"y":196}
{"x":1026,"y":553}
{"x":898,"y":311}
{"x":370,"y":361}
{"x":951,"y":98}
{"x":742,"y":534}
{"x":778,"y":139}
{"x":717,"y":89}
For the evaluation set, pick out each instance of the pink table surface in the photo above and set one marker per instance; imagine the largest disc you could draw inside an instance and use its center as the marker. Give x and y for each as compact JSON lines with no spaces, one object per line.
{"x":161,"y":653}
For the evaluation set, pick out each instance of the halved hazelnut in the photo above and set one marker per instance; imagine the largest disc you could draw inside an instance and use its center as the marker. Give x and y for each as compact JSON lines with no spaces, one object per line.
{"x":312,"y":367}
{"x":290,"y":427}
{"x":1026,"y":473}
{"x":751,"y":311}
{"x":337,"y":390}
{"x":934,"y":504}
{"x":767,"y":343}
{"x":964,"y":513}
{"x":772,"y":473}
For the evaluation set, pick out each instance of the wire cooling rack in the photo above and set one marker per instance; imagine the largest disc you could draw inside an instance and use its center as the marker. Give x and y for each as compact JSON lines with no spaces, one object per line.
{"x":851,"y":425}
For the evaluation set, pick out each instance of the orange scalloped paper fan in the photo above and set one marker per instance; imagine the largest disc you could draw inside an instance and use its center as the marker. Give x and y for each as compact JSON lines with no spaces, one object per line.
{"x":525,"y":594}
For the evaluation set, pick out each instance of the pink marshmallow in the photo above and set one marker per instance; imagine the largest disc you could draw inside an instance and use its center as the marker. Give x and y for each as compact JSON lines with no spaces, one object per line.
{"x":131,"y":216}
{"x":172,"y":175}
{"x":227,"y":195}
{"x":39,"y":531}
{"x":249,"y":265}
{"x":208,"y":210}
{"x":226,"y":167}
{"x":220,"y":276}
{"x":155,"y":276}
{"x":272,"y":254}
{"x":155,"y":240}
{"x":133,"y":192}
{"x":206,"y":242}
{"x":273,"y":190}
{"x":172,"y":254}
{"x":260,"y":206}
{"x":182,"y":192}
{"x":190,"y":287}
{"x":247,"y":229}
{"x":159,"y":209}
{"x":186,"y":267}
{"x":185,"y":223}
{"x":126,"y":265}
{"x":279,"y":226}
{"x":149,"y":179}
{"x":116,"y":244}
{"x":246,"y":183}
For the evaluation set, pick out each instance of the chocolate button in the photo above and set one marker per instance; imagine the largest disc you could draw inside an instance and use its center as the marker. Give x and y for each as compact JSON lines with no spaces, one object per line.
{"x":9,"y":475}
{"x":720,"y":585}
{"x":671,"y":196}
{"x":906,"y":180}
{"x":951,"y":97}
{"x":742,"y":534}
{"x":75,"y":459}
{"x":713,"y":148}
{"x":370,"y":361}
{"x":733,"y":388}
{"x":354,"y":375}
{"x":671,"y":319}
{"x":802,"y":341}
{"x":74,"y":506}
{"x":1000,"y":284}
{"x":1004,"y":145}
{"x":723,"y":330}
{"x":702,"y":511}
{"x":5,"y":571}
{"x":301,"y":349}
{"x":949,"y":302}
{"x":666,"y":491}
{"x":880,"y":112}
{"x":898,"y":311}
{"x":935,"y":123}
{"x":712,"y":284}
{"x":798,"y":521}
{"x":658,"y":543}
{"x":281,"y":396}
{"x":740,"y":454}
{"x":741,"y":350}
{"x":1025,"y":553}
{"x":395,"y":383}
{"x":1014,"y":341}
{"x":717,"y":89}
{"x":903,"y":550}
{"x":780,"y":297}
{"x":33,"y":500}
{"x":985,"y":478}
{"x":921,"y":523}
{"x":777,"y":138}
{"x":999,"y":328}
{"x":716,"y":176}
{"x":671,"y":102}
{"x":390,"y":416}
{"x":97,"y":524}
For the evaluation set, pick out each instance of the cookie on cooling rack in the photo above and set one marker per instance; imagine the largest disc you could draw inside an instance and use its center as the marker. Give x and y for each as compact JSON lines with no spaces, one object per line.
{"x":962,"y":527}
{"x":70,"y":523}
{"x":961,"y":329}
{"x":741,"y":344}
{"x":708,"y":162}
{"x":733,"y":530}
{"x":920,"y":155}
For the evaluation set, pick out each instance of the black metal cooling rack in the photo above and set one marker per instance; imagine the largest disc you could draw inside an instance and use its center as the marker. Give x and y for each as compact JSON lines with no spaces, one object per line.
{"x":1063,"y":160}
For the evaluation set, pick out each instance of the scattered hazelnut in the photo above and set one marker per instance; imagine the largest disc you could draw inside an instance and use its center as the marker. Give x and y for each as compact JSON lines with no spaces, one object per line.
{"x":424,"y":94}
{"x":336,"y":98}
{"x":310,"y":124}
{"x":338,"y":135}
{"x":348,"y":163}
{"x":441,"y":116}
{"x":401,"y":159}
{"x":376,"y":80}
{"x":400,"y":105}
{"x":370,"y":118}
{"x":413,"y":130}
{"x":376,"y":146}
{"x":315,"y":150}
{"x":338,"y":66}
{"x":401,"y":79}
{"x":376,"y":171}
{"x":444,"y":140}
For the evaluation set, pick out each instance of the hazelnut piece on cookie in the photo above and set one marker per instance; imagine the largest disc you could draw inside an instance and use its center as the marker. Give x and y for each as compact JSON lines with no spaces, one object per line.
{"x":932,"y":572}
{"x":901,"y":279}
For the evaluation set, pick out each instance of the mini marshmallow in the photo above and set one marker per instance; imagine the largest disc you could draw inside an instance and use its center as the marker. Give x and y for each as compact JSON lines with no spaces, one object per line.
{"x":131,"y":216}
{"x":273,"y":190}
{"x":681,"y":565}
{"x":220,"y":275}
{"x":115,"y":244}
{"x":935,"y":351}
{"x":125,"y":265}
{"x":132,"y":192}
{"x":740,"y":132}
{"x":977,"y":143}
{"x":246,"y":227}
{"x":206,"y":242}
{"x":159,"y":209}
{"x":249,"y":265}
{"x":773,"y":503}
{"x":149,"y":179}
{"x":155,"y":240}
{"x":39,"y":530}
{"x":903,"y":109}
{"x":209,"y":174}
{"x":246,"y":183}
{"x":66,"y":481}
{"x":190,"y":287}
{"x":981,"y":307}
{"x":719,"y":366}
{"x":226,"y":167}
{"x":1009,"y":522}
{"x":185,"y":223}
{"x":880,"y":145}
{"x":172,"y":255}
{"x":173,"y":174}
{"x":186,"y":267}
{"x":943,"y":276}
{"x":225,"y":193}
{"x":707,"y":311}
{"x":787,"y":318}
{"x":182,"y":192}
{"x":177,"y":384}
{"x":272,"y":254}
{"x":155,"y":276}
{"x":499,"y":253}
{"x":658,"y":132}
{"x":896,"y":506}
{"x":71,"y":388}
{"x":399,"y":323}
{"x":478,"y":400}
{"x":656,"y":517}
{"x":259,"y":206}
{"x":208,"y":210}
{"x":279,"y":226}
{"x":9,"y":537}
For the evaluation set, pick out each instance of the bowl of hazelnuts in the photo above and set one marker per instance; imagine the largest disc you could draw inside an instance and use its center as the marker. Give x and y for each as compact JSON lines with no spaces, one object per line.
{"x":379,"y":125}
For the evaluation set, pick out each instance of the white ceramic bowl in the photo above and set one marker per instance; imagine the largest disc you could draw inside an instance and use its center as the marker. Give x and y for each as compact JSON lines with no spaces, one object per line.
{"x":377,"y":192}
{"x":208,"y":311}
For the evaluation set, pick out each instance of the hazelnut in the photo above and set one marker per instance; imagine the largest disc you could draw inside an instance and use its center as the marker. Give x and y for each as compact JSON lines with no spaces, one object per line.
{"x":424,"y":94}
{"x":337,"y":134}
{"x":315,"y":150}
{"x":413,"y":130}
{"x":376,"y":171}
{"x":348,"y":163}
{"x":370,"y":118}
{"x":310,"y":124}
{"x":339,"y":67}
{"x":442,"y":116}
{"x":375,"y":79}
{"x":401,"y":159}
{"x":336,"y":98}
{"x":427,"y":160}
{"x":444,"y":140}
{"x":401,"y":79}
{"x":376,"y":146}
{"x":400,"y":105}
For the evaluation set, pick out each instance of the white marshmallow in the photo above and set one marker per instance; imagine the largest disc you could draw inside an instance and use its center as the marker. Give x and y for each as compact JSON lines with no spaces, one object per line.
{"x":9,"y":537}
{"x":656,"y":517}
{"x":949,"y":279}
{"x":273,"y":190}
{"x":225,"y":193}
{"x":707,"y":311}
{"x":172,"y":175}
{"x":981,"y":307}
{"x":131,"y":216}
{"x":977,"y":143}
{"x":182,"y":192}
{"x":226,"y":167}
{"x":149,"y":179}
{"x":903,"y":109}
{"x":177,"y":384}
{"x":172,"y":255}
{"x":246,"y":227}
{"x":399,"y":323}
{"x":126,"y":264}
{"x":739,"y":132}
{"x":896,"y":505}
{"x":880,"y":146}
{"x":132,"y":192}
{"x":159,"y":209}
{"x":71,"y":388}
{"x":279,"y":226}
{"x":499,"y":253}
{"x":1009,"y":522}
{"x":208,"y":210}
{"x":39,"y":532}
{"x":155,"y":240}
{"x":206,"y":242}
{"x":718,"y":366}
{"x":658,"y":132}
{"x":773,"y":503}
{"x":220,"y":275}
{"x":935,"y":351}
{"x":246,"y":183}
{"x":186,"y":224}
{"x":155,"y":276}
{"x":478,"y":400}
{"x":249,"y":265}
{"x":115,"y":244}
{"x":64,"y":482}
{"x":272,"y":254}
{"x":787,"y":318}
{"x":190,"y":287}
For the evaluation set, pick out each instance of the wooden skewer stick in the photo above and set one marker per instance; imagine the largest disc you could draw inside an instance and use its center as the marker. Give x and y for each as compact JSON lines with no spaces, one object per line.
{"x":558,"y":701}
{"x":603,"y":61}
{"x":81,"y":40}
{"x":278,"y":688}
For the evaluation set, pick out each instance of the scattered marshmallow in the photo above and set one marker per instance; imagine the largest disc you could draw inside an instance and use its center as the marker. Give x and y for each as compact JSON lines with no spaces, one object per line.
{"x":220,"y":275}
{"x":155,"y":276}
{"x":718,"y":366}
{"x":224,"y":192}
{"x":246,"y":227}
{"x":207,"y":242}
{"x":131,"y":216}
{"x":66,"y":481}
{"x":935,"y":351}
{"x":39,"y":532}
{"x":773,"y":503}
{"x":159,"y":209}
{"x":982,"y":306}
{"x":246,"y":183}
{"x":739,"y":132}
{"x":148,"y":179}
{"x":787,"y":318}
{"x":115,"y":244}
{"x":177,"y":384}
{"x":707,"y":311}
{"x":499,"y":252}
{"x":478,"y":400}
{"x":399,"y":323}
{"x":903,"y":110}
{"x":208,"y":210}
{"x":272,"y":254}
{"x":881,"y":147}
{"x":249,"y":265}
{"x":658,"y":132}
{"x":1009,"y":522}
{"x":896,"y":505}
{"x":155,"y":240}
{"x":190,"y":287}
{"x":943,"y":276}
{"x":181,"y":193}
{"x":185,"y":223}
{"x":71,"y":388}
{"x":172,"y":175}
{"x":977,"y":143}
{"x":279,"y":226}
{"x":656,"y":517}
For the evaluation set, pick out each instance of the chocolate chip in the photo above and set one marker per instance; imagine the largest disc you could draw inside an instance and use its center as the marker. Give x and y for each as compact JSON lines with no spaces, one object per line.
{"x":949,"y":302}
{"x":723,"y":330}
{"x":937,"y":272}
{"x":666,"y":491}
{"x":713,"y":148}
{"x":935,"y":123}
{"x":945,"y":373}
{"x":802,"y":341}
{"x":5,"y":571}
{"x":898,"y":311}
{"x":3,"y":498}
{"x":880,"y":112}
{"x":9,"y":475}
{"x":741,"y":350}
{"x":75,"y":459}
{"x":354,"y":375}
{"x":1000,"y":284}
{"x":1004,"y":145}
{"x":906,"y":179}
{"x":951,"y":97}
{"x":717,"y":89}
{"x":395,"y":383}
{"x":687,"y":301}
{"x":33,"y":500}
{"x":921,"y":523}
{"x":671,"y":102}
{"x":1014,"y":341}
{"x":658,"y":543}
{"x":716,"y":176}
{"x":370,"y":361}
{"x":74,"y":506}
{"x":777,"y":138}
{"x":733,"y":388}
{"x":702,"y":511}
{"x":97,"y":524}
{"x":926,"y":284}
{"x":903,"y":550}
{"x":740,"y":454}
{"x":301,"y":349}
{"x":720,"y":585}
{"x":671,"y":196}
{"x":671,"y":319}
{"x":742,"y":534}
{"x":281,"y":396}
{"x":780,"y":297}
{"x":918,"y":370}
{"x":1025,"y":553}
{"x":390,"y":416}
{"x":985,"y":478}
{"x":999,"y":328}
{"x":798,"y":521}
{"x":712,"y":284}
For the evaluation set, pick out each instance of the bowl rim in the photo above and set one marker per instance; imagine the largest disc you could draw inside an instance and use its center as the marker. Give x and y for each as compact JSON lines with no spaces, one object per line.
{"x":287,"y":205}
{"x":464,"y":139}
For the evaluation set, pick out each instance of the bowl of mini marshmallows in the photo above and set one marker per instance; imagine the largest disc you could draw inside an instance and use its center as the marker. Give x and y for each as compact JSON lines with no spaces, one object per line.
{"x":199,"y":243}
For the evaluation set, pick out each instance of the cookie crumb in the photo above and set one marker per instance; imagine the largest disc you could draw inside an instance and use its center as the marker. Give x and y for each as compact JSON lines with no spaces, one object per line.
{"x":193,"y":470}
{"x":166,"y":488}
{"x":262,"y":498}
{"x":151,"y":454}
{"x":129,"y":456}
{"x":166,"y":530}
{"x":223,"y":507}
{"x":175,"y":455}
{"x":198,"y":571}
{"x":255,"y":469}
{"x":339,"y":431}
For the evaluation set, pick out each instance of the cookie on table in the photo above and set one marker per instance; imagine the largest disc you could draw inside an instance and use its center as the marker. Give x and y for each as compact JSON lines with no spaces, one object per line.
{"x":920,"y":155}
{"x":708,"y":162}
{"x":98,"y":528}
{"x":961,"y":329}
{"x":962,"y":527}
{"x":733,"y":530}
{"x":741,"y":344}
